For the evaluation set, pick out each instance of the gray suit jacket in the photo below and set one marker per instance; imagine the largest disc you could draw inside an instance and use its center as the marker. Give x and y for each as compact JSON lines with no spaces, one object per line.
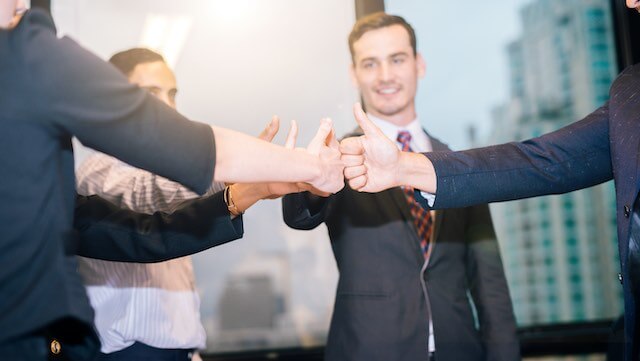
{"x":385,"y":297}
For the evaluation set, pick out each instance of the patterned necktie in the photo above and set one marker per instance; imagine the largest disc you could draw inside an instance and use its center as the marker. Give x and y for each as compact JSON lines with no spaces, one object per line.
{"x":421,"y":217}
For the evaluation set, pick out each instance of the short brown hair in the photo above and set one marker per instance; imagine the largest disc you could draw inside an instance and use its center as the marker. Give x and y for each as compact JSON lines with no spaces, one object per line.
{"x":127,"y":60}
{"x":377,"y":21}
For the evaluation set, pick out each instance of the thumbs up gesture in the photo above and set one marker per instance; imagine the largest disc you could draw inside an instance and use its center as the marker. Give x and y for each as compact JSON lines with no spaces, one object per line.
{"x":374,"y":163}
{"x":325,"y":146}
{"x":371,"y":160}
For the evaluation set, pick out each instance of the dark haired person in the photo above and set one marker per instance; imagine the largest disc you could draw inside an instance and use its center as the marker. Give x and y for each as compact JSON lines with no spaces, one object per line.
{"x":604,"y":145}
{"x":405,"y":274}
{"x":52,"y":89}
{"x":162,"y":321}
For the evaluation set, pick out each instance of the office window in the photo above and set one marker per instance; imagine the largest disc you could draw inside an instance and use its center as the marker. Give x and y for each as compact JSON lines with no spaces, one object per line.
{"x":238,"y":62}
{"x":544,"y":65}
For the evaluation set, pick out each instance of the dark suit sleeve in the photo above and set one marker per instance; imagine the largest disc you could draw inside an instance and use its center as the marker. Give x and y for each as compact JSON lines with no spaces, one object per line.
{"x":107,"y":232}
{"x":81,"y":95}
{"x":304,"y":210}
{"x":574,"y":157}
{"x":489,"y":289}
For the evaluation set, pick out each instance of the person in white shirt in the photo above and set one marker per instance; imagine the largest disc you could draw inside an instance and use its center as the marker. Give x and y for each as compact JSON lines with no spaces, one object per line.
{"x":151,"y":309}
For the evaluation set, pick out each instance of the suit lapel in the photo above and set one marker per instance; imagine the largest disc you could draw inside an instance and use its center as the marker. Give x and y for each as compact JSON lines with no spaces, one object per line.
{"x":624,"y":116}
{"x":637,"y":179}
{"x":632,"y":120}
{"x":398,"y":198}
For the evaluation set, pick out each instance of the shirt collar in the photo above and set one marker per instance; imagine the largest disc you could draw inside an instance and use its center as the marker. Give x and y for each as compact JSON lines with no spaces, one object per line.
{"x":420,"y":142}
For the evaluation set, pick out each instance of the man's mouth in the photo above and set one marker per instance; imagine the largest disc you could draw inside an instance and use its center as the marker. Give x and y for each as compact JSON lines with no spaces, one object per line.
{"x":387,"y":91}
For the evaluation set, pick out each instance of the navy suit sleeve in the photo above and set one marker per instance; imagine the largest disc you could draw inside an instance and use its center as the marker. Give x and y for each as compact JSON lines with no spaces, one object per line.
{"x":574,"y":157}
{"x":80,"y":94}
{"x":489,"y":289}
{"x":304,"y":210}
{"x":107,"y":232}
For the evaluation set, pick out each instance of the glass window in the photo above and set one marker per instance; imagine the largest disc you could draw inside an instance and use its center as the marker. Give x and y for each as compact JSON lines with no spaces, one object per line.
{"x":238,"y":62}
{"x":544,"y":65}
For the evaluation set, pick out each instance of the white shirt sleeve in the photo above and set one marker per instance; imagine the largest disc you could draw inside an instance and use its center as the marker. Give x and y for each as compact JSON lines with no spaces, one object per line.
{"x":130,"y":187}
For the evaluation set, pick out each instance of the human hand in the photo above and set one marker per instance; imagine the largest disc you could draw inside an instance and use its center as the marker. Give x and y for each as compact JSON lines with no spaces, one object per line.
{"x":330,"y":178}
{"x":270,"y":131}
{"x":245,"y":195}
{"x":371,"y":160}
{"x":279,"y":189}
{"x":275,"y":190}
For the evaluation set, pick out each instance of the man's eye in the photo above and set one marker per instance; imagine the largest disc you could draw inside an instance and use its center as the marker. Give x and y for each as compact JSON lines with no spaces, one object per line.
{"x":398,"y":60}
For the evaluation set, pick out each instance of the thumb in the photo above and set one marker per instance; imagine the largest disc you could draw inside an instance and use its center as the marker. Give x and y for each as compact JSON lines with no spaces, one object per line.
{"x":326,"y":126}
{"x":292,"y":136}
{"x":369,"y":129}
{"x":332,"y":142}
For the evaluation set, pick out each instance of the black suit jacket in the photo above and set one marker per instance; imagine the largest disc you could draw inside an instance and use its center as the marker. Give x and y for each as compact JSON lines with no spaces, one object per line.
{"x":384,"y":297}
{"x":106,"y":232}
{"x":603,"y":146}
{"x":50,"y":90}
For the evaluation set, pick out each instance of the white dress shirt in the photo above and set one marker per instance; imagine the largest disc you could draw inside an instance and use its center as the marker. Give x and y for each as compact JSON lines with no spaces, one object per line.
{"x":420,"y":143}
{"x":155,"y":303}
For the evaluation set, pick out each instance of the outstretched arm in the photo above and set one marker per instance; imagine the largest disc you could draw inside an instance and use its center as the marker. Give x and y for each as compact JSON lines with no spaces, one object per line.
{"x":246,"y":194}
{"x":319,"y":165}
{"x":574,"y":157}
{"x":118,"y":118}
{"x":110,"y":233}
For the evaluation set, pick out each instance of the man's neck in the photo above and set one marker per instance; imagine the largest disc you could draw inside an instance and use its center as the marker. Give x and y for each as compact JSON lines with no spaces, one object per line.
{"x":401,"y":119}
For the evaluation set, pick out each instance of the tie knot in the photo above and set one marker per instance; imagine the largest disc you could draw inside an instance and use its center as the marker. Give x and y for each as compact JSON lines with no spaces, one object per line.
{"x":404,"y":138}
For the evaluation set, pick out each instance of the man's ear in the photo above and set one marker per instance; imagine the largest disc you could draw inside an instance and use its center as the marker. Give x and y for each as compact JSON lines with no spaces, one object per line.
{"x":421,"y":66}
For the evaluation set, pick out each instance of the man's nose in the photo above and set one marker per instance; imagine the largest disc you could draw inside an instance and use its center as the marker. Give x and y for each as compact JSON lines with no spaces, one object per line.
{"x":384,"y":73}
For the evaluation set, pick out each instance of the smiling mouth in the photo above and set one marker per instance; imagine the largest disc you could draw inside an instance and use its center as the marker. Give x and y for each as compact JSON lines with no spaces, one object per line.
{"x":388,"y":91}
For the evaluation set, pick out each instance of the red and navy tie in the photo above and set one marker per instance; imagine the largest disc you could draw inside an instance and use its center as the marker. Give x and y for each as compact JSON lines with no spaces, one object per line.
{"x":421,"y":217}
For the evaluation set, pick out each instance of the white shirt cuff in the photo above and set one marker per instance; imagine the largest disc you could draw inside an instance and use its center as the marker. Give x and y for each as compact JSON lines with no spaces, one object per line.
{"x":430,"y":197}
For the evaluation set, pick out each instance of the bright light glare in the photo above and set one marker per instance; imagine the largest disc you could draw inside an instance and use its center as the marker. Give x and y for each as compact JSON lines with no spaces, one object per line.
{"x":166,"y":34}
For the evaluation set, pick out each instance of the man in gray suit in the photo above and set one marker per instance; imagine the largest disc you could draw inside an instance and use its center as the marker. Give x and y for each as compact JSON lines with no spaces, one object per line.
{"x":406,"y":274}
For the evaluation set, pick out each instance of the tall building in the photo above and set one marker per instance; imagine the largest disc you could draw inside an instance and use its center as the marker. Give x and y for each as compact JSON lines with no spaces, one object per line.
{"x":255,"y":304}
{"x":559,"y":252}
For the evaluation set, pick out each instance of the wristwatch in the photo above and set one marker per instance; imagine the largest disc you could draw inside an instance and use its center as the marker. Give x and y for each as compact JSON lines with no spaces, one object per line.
{"x":228,"y":200}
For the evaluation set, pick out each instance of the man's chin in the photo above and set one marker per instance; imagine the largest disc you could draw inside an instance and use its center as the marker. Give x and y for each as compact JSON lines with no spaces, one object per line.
{"x":389,"y":111}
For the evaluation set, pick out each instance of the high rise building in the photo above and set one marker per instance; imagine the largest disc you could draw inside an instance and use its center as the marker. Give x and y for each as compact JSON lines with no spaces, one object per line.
{"x":255,"y":304}
{"x":559,"y":252}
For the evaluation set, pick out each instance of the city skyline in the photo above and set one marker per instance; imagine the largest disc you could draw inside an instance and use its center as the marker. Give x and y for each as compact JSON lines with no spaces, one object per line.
{"x":559,"y":252}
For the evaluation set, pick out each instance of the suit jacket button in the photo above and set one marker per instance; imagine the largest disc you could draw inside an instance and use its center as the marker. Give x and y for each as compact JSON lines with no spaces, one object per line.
{"x":627,"y":211}
{"x":55,"y":347}
{"x":620,"y":277}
